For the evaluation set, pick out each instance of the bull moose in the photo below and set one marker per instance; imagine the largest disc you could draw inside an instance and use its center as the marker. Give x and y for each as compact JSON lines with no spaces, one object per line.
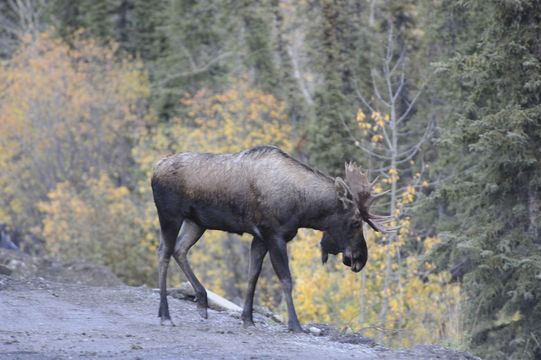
{"x":264,"y":192}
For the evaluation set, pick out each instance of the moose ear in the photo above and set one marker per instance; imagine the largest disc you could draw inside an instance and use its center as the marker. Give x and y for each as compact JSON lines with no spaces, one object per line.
{"x":344,"y":192}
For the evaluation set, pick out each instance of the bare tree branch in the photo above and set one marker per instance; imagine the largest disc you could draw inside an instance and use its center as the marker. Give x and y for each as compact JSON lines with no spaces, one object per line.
{"x":197,"y":70}
{"x":376,"y":89}
{"x":413,"y":150}
{"x":360,"y":95}
{"x":399,"y":62}
{"x":401,"y":84}
{"x":298,"y":76}
{"x":20,"y":17}
{"x":414,"y":100}
{"x":186,"y":52}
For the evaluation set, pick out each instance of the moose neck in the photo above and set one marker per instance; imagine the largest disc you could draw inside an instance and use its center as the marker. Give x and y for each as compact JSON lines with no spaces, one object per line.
{"x":321,"y":209}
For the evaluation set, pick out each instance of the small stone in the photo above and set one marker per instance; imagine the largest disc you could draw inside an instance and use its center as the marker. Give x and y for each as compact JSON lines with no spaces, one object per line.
{"x":4,"y":270}
{"x":314,"y":331}
{"x":15,"y":264}
{"x":349,"y":331}
{"x":187,"y":289}
{"x":175,"y":293}
{"x":136,"y":347}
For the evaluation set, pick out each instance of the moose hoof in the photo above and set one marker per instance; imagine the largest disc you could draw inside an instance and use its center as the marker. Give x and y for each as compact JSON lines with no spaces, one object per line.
{"x":203,"y":312}
{"x":166,"y":322}
{"x":248,"y":323}
{"x":296,"y":328}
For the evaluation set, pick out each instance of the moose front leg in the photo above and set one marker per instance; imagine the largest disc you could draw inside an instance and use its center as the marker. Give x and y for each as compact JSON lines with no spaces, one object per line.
{"x":258,"y":251}
{"x":280,"y":263}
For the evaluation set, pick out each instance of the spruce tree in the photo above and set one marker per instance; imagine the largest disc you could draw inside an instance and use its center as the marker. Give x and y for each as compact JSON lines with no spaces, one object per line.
{"x":97,"y":17}
{"x":256,"y":27}
{"x":329,"y":143}
{"x":496,"y":198}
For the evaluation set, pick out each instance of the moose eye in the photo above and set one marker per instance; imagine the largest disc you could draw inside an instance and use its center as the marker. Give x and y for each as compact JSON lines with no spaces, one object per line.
{"x":355,"y":224}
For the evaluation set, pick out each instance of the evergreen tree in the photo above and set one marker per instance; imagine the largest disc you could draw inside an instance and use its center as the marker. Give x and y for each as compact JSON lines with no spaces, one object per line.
{"x":256,"y":23}
{"x":136,"y":25}
{"x":96,"y":17}
{"x":496,"y":198}
{"x":329,"y":143}
{"x":197,"y":51}
{"x":148,"y":38}
{"x":448,"y":28}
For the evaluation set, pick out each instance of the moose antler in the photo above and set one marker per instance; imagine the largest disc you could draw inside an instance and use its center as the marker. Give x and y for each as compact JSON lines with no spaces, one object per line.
{"x":361,"y":189}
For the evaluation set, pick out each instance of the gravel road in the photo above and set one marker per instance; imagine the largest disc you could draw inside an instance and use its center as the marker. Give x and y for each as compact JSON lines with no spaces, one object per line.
{"x":48,"y":318}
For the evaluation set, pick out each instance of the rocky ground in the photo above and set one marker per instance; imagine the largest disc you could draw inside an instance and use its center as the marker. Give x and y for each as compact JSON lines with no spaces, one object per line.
{"x":53,"y":310}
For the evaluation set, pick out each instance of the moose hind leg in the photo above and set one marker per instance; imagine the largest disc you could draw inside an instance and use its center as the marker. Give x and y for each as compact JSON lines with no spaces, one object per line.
{"x":258,"y":251}
{"x":190,"y":232}
{"x":169,"y":231}
{"x":279,"y":260}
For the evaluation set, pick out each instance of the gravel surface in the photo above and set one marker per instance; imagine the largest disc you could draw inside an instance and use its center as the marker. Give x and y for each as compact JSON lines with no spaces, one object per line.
{"x":42,"y":317}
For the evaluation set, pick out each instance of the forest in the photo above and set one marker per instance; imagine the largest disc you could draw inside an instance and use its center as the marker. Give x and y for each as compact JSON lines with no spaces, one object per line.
{"x":438,"y":100}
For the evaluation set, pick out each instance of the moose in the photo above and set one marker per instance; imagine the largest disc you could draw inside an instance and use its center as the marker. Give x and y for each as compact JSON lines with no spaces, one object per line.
{"x":264,"y":192}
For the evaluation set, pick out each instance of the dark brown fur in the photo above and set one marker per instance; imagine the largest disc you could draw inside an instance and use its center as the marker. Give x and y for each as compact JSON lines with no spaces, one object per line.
{"x":261,"y":191}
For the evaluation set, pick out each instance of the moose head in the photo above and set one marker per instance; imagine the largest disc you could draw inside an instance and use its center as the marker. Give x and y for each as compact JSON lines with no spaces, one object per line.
{"x":345,"y":235}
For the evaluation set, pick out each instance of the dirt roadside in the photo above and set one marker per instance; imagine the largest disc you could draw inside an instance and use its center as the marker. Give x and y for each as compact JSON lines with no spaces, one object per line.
{"x":47,"y":314}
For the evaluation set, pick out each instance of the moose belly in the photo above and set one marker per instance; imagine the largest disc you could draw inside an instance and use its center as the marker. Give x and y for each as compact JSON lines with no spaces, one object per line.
{"x":219,"y":218}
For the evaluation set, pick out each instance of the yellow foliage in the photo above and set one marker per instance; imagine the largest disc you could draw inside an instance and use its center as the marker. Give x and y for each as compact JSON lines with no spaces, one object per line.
{"x":67,"y":113}
{"x":393,"y":176}
{"x":99,"y":222}
{"x":408,"y":195}
{"x":361,"y":117}
{"x":422,"y":309}
{"x":376,"y":138}
{"x":236,"y":119}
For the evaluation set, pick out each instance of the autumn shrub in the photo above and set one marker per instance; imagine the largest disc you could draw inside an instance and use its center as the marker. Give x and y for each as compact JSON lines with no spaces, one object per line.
{"x":424,"y":306}
{"x":67,"y":113}
{"x":69,"y":117}
{"x":99,"y":222}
